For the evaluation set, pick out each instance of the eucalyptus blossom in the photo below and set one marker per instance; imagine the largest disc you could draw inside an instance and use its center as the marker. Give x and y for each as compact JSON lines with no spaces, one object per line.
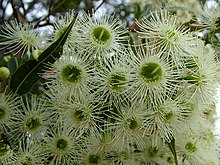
{"x":21,"y":37}
{"x":99,"y":35}
{"x":95,"y":96}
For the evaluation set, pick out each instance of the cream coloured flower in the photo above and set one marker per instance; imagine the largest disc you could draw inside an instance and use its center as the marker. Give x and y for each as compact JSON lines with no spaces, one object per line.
{"x":202,"y":78}
{"x":83,"y":115}
{"x":29,"y":152}
{"x":21,"y":37}
{"x":61,"y":145}
{"x":113,"y":81}
{"x":71,"y":75}
{"x":8,"y":103}
{"x":31,"y":118}
{"x":152,"y":78}
{"x":164,"y":33}
{"x":99,"y":35}
{"x":127,"y":127}
{"x":163,"y":122}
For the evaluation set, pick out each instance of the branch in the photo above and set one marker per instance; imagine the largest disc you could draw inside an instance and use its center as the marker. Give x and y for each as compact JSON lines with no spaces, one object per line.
{"x":46,"y":17}
{"x":17,"y":14}
{"x":103,"y":1}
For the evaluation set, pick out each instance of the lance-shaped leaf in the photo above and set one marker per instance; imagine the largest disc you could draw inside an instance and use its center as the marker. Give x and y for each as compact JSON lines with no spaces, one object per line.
{"x":27,"y":75}
{"x":14,"y":63}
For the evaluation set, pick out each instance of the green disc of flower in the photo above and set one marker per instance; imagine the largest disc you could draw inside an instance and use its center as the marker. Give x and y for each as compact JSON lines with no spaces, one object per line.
{"x":171,"y":35}
{"x":151,"y":72}
{"x":153,"y":151}
{"x":4,"y":149}
{"x":62,"y":144}
{"x":28,"y":37}
{"x":33,"y":123}
{"x":124,"y":155}
{"x":170,"y":160}
{"x":2,"y":113}
{"x":71,"y":73}
{"x":132,"y":124}
{"x":168,"y":116}
{"x":190,"y":147}
{"x":78,"y":115}
{"x":101,"y":35}
{"x":28,"y":161}
{"x":117,"y":80}
{"x":94,"y":159}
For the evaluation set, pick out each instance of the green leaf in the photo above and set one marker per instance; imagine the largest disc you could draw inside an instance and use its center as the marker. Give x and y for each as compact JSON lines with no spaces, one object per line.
{"x":14,"y":63}
{"x":29,"y":73}
{"x":138,"y":11}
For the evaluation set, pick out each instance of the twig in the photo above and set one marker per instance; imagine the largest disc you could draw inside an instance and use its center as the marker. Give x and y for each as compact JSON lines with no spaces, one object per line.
{"x":103,"y":1}
{"x":17,"y":14}
{"x":46,"y":17}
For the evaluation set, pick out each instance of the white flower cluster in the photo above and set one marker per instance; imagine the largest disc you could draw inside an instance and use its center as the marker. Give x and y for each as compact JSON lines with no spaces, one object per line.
{"x":107,"y":101}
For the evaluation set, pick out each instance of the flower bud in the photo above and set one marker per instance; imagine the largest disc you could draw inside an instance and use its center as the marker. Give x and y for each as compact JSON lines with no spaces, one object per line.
{"x":36,"y":53}
{"x":4,"y":72}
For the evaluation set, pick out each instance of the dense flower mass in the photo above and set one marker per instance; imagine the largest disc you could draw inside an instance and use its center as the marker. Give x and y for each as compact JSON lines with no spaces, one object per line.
{"x":109,"y":101}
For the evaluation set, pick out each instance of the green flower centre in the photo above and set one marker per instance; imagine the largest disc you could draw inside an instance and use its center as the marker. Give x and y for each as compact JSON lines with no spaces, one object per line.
{"x":101,"y":35}
{"x":151,"y":72}
{"x":170,"y":160}
{"x":132,"y":124}
{"x":190,"y":147}
{"x":2,"y":113}
{"x":4,"y":149}
{"x":62,"y":144}
{"x":94,"y":159}
{"x":171,"y":35}
{"x":28,"y":38}
{"x":152,"y":152}
{"x":117,"y":81}
{"x":124,"y":155}
{"x":106,"y":137}
{"x":33,"y":123}
{"x":71,"y":73}
{"x":28,"y":161}
{"x":79,"y":115}
{"x":168,"y":116}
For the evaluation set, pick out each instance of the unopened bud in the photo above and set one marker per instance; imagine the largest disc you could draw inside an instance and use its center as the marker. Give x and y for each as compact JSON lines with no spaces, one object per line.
{"x":36,"y":54}
{"x":4,"y":72}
